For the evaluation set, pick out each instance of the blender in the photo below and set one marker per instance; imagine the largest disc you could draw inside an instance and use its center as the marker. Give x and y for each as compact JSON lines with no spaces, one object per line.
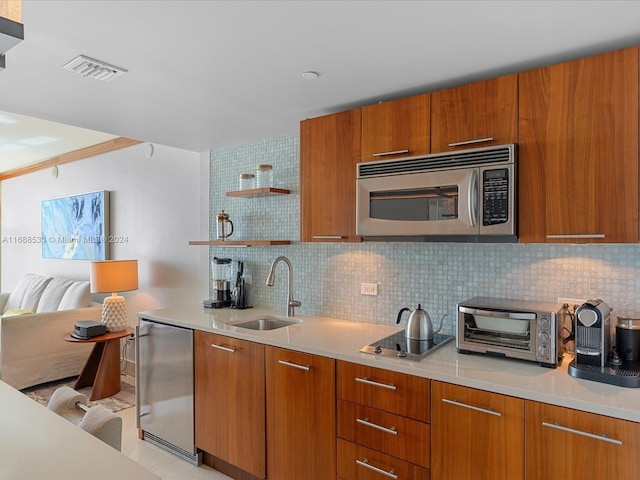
{"x":221,"y":270}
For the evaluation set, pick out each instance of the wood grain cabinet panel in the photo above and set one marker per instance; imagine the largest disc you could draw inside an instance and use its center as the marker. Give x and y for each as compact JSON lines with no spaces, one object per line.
{"x":356,"y":462}
{"x":578,"y":150}
{"x":477,"y":435}
{"x":399,"y":436}
{"x":230,"y":401}
{"x":329,"y":152}
{"x":301,"y":416}
{"x":475,"y":115}
{"x":397,"y":128}
{"x":566,"y":443}
{"x":394,"y":392}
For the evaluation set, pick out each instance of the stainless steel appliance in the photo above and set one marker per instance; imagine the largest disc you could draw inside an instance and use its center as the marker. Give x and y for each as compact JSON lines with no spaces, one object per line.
{"x":468,"y":195}
{"x":164,"y":388}
{"x":519,"y":329}
{"x":628,"y":339}
{"x":419,"y":326}
{"x":399,"y":346}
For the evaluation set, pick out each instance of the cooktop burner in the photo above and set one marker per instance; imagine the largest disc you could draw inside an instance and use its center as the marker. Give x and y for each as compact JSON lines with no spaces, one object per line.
{"x":397,"y":345}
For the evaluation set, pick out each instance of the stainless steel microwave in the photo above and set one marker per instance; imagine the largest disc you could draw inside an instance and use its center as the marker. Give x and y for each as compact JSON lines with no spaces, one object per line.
{"x":468,"y":195}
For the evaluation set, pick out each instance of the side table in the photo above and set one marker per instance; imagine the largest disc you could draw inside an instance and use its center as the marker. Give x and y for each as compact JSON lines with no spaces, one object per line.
{"x":102,"y":368}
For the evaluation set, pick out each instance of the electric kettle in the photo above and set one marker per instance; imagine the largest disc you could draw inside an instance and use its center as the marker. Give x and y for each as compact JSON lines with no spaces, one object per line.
{"x":419,"y":326}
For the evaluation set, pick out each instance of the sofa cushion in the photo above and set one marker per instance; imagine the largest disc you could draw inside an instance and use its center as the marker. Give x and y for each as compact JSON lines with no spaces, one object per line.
{"x":26,"y":295}
{"x":64,"y":294}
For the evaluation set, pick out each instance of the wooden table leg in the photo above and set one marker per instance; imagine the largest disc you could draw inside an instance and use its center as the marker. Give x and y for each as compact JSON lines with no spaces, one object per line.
{"x":102,"y":370}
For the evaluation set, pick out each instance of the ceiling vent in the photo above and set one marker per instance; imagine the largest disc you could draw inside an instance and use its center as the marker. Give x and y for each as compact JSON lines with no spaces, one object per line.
{"x":96,"y":69}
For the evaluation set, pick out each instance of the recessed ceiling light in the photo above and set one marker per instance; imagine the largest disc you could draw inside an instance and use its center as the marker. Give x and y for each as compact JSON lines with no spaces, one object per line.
{"x":310,"y":75}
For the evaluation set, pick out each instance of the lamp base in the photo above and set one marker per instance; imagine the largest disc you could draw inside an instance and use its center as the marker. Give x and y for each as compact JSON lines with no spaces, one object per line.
{"x":114,"y":313}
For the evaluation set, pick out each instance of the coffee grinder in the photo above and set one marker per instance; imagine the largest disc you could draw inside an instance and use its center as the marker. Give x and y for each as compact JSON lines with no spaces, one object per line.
{"x":221,"y":270}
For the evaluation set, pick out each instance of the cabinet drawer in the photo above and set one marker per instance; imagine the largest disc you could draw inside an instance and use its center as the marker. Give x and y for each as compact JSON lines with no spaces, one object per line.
{"x":401,"y":436}
{"x":360,"y":463}
{"x":394,"y":392}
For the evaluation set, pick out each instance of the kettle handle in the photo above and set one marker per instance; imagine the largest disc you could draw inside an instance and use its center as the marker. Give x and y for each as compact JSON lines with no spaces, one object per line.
{"x":402,"y":310}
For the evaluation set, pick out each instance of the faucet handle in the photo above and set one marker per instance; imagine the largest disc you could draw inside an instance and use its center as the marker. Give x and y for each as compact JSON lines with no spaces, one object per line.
{"x":295,"y":303}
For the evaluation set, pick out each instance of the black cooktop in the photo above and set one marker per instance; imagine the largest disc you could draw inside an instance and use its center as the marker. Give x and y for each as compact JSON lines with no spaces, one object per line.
{"x":397,"y":345}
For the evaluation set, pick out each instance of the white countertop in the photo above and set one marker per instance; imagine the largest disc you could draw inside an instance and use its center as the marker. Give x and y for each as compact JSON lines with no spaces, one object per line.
{"x":341,"y":339}
{"x":36,"y":443}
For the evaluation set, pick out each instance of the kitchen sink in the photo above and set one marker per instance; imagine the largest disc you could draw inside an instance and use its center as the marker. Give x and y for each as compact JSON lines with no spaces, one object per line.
{"x":266,"y":323}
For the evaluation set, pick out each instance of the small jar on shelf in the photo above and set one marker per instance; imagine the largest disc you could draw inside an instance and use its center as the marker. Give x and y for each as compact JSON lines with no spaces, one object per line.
{"x":247,"y":181}
{"x":264,"y":176}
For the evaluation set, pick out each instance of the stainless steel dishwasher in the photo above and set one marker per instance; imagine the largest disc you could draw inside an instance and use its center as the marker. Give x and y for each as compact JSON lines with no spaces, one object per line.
{"x":164,"y":388}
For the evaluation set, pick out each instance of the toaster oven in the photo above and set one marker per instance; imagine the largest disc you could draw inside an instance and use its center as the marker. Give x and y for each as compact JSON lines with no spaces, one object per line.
{"x":524,"y":330}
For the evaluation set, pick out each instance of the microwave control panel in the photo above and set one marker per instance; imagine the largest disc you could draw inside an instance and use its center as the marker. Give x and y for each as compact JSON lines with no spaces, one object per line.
{"x":495,"y":196}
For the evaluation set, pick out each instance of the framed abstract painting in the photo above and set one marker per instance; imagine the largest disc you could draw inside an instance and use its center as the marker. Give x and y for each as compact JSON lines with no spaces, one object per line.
{"x":76,"y":227}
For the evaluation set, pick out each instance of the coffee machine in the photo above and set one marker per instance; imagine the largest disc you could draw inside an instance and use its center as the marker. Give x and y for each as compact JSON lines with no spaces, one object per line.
{"x":594,"y":358}
{"x":221,"y":270}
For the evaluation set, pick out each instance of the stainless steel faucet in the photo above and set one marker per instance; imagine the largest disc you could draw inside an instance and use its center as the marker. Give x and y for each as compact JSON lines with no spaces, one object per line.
{"x":291,"y":303}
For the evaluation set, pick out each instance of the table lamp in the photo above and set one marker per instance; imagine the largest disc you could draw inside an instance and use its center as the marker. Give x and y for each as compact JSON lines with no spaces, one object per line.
{"x":113,"y":276}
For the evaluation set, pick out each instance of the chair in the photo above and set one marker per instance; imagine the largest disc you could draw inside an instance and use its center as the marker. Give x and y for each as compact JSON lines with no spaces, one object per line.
{"x":98,"y":420}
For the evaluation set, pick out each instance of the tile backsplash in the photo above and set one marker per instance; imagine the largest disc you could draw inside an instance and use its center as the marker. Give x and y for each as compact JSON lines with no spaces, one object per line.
{"x":327,"y":276}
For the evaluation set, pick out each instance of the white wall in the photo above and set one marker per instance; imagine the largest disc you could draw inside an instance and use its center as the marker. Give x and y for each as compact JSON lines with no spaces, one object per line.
{"x":157,"y":205}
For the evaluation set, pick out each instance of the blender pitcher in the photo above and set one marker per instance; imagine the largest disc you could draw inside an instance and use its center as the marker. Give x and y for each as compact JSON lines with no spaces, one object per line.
{"x":221,"y":270}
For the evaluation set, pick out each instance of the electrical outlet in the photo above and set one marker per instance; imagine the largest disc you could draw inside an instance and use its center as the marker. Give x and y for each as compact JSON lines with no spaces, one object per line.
{"x":570,"y":301}
{"x":248,"y":279}
{"x":369,"y":289}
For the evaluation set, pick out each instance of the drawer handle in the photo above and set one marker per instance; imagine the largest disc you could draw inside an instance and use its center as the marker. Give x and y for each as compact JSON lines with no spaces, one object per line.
{"x":328,"y":237}
{"x":389,"y":386}
{"x":477,"y":409}
{"x":602,"y":437}
{"x":395,"y":152}
{"x":583,"y":235}
{"x":366,"y":422}
{"x":469,"y":142}
{"x":295,"y":365}
{"x":365,"y":463}
{"x":226,"y":349}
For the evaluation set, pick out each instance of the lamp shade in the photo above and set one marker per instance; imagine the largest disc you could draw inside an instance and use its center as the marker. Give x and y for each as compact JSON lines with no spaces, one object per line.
{"x":112,"y":276}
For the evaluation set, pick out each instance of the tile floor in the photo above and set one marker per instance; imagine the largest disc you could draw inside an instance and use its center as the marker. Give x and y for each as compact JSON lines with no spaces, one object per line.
{"x":156,"y":460}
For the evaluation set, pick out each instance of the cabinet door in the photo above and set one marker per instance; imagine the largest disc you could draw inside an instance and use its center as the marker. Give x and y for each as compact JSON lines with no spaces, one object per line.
{"x":566,"y":443}
{"x":230,"y":401}
{"x":476,"y":434}
{"x":329,"y":152}
{"x":578,"y":150}
{"x":301,"y":416}
{"x":475,"y":115}
{"x":398,"y":128}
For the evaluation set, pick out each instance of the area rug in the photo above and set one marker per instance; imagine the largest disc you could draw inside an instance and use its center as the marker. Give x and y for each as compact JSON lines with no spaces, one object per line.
{"x":125,"y":398}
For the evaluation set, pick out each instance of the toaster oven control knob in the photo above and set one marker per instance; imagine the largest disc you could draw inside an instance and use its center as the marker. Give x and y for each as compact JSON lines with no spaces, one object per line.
{"x":544,"y":322}
{"x":543,"y":350}
{"x":544,"y":336}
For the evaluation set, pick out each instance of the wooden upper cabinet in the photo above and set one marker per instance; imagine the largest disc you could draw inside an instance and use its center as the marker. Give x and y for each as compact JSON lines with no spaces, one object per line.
{"x":587,"y":445}
{"x":398,"y":128}
{"x":329,"y":152}
{"x":475,"y":115}
{"x":578,"y":150}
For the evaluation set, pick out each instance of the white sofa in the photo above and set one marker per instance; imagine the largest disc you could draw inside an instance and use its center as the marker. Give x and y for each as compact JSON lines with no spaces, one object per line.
{"x":35,"y":316}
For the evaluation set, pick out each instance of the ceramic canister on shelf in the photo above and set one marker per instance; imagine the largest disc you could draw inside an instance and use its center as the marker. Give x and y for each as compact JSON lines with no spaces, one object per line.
{"x":264,"y":176}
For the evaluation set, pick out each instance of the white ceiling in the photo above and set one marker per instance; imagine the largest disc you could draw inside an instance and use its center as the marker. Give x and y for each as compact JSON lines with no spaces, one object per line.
{"x":207,"y":74}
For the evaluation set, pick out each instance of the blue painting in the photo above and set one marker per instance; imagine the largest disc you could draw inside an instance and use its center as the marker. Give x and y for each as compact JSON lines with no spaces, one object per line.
{"x":76,"y":227}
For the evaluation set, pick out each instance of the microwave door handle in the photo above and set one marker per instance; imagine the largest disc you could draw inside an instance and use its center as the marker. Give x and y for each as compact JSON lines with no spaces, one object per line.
{"x":473,"y":198}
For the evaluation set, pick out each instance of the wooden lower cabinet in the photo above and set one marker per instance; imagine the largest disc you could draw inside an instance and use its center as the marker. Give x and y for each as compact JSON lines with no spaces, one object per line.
{"x":301,"y":416}
{"x":570,"y":444}
{"x":230,"y":401}
{"x":359,"y":463}
{"x":478,"y":435}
